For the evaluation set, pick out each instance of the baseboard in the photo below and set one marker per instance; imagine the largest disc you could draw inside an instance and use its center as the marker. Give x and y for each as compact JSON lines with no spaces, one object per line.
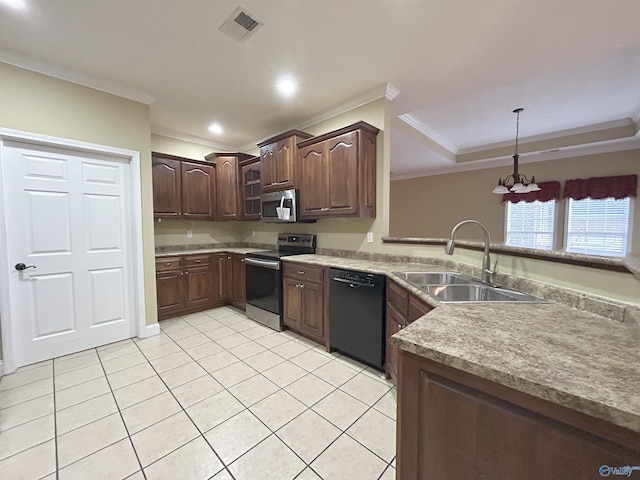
{"x":149,"y":330}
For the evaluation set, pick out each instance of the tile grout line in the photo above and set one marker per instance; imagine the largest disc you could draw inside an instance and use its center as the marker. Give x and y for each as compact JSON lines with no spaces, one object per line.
{"x":121,"y":417}
{"x":307,"y":408}
{"x":224,"y":466}
{"x":230,"y":393}
{"x":307,"y":372}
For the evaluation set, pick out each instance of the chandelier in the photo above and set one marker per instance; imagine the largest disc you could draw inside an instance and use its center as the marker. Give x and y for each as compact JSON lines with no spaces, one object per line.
{"x":516,"y":182}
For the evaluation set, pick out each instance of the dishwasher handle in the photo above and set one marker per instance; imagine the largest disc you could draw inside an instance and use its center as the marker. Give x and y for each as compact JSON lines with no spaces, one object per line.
{"x":257,"y":262}
{"x":353,"y":284}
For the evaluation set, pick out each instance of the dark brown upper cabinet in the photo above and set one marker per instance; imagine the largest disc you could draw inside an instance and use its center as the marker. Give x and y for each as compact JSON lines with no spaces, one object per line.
{"x":250,"y":180}
{"x":229,"y":189}
{"x":198,"y":191}
{"x":183,"y":188}
{"x":339,"y":173}
{"x":279,"y":166}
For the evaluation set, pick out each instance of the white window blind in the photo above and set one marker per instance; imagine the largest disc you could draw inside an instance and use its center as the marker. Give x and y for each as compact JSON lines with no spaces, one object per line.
{"x":530,"y":224}
{"x":598,"y":227}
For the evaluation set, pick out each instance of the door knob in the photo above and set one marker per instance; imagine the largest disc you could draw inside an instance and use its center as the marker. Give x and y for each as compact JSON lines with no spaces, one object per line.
{"x":22,"y":266}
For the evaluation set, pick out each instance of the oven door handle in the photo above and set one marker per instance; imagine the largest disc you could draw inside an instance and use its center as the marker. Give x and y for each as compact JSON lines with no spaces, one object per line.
{"x":257,"y":262}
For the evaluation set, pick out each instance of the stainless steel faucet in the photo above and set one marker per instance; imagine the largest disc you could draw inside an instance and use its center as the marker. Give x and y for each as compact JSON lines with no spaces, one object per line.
{"x":487,"y":273}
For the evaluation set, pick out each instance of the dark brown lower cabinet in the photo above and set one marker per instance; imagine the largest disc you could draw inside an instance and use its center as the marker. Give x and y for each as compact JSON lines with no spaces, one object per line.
{"x":238,"y":281}
{"x":403,"y":308}
{"x":192,"y":283}
{"x":304,"y":300}
{"x":453,"y":425}
{"x":221,"y":287}
{"x":170,"y":290}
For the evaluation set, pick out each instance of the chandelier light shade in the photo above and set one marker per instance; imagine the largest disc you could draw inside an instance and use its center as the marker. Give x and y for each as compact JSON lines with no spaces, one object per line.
{"x":516,"y":182}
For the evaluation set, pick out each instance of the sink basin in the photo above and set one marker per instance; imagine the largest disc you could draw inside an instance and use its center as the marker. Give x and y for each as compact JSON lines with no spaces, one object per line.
{"x":435,"y":278}
{"x":453,"y":287}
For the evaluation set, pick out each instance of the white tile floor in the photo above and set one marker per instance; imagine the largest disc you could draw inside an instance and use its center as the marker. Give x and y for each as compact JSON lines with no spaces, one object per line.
{"x":213,"y":396}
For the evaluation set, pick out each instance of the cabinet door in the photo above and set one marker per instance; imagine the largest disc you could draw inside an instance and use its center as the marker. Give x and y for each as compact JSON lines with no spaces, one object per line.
{"x":218,"y":278}
{"x":458,"y":432}
{"x":292,"y":302}
{"x":313,"y":309}
{"x":197,"y":286}
{"x":284,"y":164}
{"x":227,"y":183}
{"x":238,"y":294}
{"x":198,"y":191}
{"x":167,"y":188}
{"x":417,"y":308}
{"x":251,"y":192}
{"x":268,"y":175}
{"x":313,"y":188}
{"x":342,"y":174}
{"x":395,"y":322}
{"x":170,"y":292}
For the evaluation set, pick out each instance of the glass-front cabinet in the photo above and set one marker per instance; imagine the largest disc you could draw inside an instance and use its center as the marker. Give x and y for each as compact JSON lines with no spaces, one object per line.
{"x":251,"y":188}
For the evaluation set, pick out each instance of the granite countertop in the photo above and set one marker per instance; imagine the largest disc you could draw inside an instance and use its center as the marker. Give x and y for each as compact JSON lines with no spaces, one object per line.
{"x":569,"y":357}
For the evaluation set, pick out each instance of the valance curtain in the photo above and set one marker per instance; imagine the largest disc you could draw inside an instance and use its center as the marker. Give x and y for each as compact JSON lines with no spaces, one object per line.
{"x":548,"y":191}
{"x":597,"y":188}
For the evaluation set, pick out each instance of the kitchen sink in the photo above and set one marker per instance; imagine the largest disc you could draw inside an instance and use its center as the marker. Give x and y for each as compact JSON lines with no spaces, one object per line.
{"x":452,"y":287}
{"x":435,"y":278}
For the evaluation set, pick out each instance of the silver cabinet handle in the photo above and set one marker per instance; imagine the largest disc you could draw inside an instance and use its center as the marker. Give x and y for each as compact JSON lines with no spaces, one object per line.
{"x":400,"y":326}
{"x":300,"y":272}
{"x":197,"y":261}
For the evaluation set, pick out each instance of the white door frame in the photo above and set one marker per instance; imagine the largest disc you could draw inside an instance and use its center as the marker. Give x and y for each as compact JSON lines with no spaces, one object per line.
{"x":7,"y":363}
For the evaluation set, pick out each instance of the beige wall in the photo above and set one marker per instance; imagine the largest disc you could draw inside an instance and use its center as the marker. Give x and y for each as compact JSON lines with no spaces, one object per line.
{"x":430,"y":206}
{"x":37,"y":103}
{"x":180,"y":148}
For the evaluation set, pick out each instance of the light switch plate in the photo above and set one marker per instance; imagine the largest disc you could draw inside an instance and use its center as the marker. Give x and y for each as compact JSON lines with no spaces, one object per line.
{"x":370,"y":237}
{"x":189,"y":233}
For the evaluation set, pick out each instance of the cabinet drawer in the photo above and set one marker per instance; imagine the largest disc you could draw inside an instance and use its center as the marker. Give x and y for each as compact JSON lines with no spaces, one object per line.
{"x":197,"y":260}
{"x":303,"y":272}
{"x":168,"y":263}
{"x":398,"y":297}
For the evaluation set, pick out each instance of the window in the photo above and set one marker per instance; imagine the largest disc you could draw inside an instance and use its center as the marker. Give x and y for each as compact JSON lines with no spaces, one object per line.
{"x":598,"y":227}
{"x":530,"y":224}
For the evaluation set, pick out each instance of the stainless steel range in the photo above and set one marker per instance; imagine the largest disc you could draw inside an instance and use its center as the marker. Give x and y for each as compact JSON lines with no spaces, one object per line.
{"x":264,"y":279}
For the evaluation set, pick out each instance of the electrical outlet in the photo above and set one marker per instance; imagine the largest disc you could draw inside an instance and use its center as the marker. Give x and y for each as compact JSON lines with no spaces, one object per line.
{"x":370,"y":237}
{"x":189,"y":233}
{"x":253,"y":233}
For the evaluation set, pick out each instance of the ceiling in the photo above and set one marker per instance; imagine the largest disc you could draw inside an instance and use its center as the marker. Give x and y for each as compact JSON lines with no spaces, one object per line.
{"x":459,"y":67}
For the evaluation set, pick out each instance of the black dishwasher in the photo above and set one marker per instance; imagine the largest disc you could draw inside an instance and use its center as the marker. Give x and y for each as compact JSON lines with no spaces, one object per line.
{"x":357,"y":315}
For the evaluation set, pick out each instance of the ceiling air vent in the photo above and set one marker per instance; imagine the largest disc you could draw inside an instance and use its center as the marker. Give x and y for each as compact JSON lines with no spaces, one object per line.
{"x":240,"y":25}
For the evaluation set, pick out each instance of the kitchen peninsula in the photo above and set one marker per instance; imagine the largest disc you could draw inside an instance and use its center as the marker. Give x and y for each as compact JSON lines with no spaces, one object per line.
{"x":554,"y":386}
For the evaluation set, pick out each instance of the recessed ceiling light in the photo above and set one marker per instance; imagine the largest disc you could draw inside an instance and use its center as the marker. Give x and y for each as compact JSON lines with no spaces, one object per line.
{"x":215,"y":128}
{"x":287,"y":87}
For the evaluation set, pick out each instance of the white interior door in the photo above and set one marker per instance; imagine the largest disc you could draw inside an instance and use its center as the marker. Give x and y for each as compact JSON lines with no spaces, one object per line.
{"x":67,"y":215}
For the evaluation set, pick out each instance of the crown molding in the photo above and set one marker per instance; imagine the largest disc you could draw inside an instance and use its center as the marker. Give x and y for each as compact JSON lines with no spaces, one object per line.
{"x":608,"y":146}
{"x":165,"y":132}
{"x":45,"y":68}
{"x":595,"y":127}
{"x":426,"y":131}
{"x":376,"y":93}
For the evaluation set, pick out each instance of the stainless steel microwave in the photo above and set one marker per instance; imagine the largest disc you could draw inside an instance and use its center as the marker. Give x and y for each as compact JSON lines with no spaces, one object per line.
{"x":280,"y":207}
